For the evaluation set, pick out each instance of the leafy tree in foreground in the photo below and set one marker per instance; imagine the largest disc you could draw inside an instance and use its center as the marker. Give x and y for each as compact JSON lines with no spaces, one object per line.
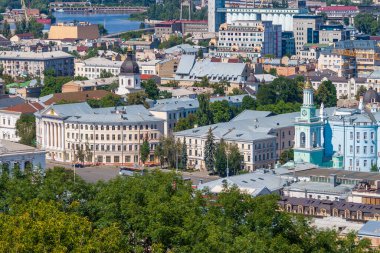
{"x":26,"y":129}
{"x":221,"y":158}
{"x":234,"y":159}
{"x":209,"y":151}
{"x":326,"y":94}
{"x":151,"y":88}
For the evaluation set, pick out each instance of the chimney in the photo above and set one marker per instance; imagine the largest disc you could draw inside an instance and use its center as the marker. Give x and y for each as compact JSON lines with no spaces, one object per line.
{"x":333,"y":180}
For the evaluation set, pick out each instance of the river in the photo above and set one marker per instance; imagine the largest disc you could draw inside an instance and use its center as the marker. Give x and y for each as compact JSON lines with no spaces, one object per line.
{"x":113,"y":22}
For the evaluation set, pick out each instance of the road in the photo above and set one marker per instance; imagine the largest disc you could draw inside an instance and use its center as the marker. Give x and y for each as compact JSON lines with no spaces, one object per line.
{"x":105,"y":173}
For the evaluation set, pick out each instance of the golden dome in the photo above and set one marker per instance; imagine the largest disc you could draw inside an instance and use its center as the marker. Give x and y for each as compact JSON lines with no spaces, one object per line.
{"x":308,"y":83}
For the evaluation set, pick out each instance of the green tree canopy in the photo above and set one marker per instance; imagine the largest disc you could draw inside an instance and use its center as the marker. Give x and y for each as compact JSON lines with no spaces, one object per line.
{"x":209,"y":151}
{"x":144,"y":151}
{"x":137,"y":98}
{"x":326,"y":94}
{"x":26,"y":129}
{"x":151,"y":88}
{"x":204,"y":114}
{"x":221,"y":111}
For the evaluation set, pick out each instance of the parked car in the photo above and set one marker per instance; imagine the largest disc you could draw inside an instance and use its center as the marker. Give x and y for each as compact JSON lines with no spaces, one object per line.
{"x":78,"y":165}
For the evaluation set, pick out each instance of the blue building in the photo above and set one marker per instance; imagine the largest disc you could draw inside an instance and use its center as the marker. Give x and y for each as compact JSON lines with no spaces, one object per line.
{"x":349,"y":136}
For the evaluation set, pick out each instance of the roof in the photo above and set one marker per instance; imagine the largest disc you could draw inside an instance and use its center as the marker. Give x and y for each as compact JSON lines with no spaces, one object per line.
{"x":34,"y":55}
{"x":102,"y":62}
{"x":185,"y":64}
{"x":319,"y":187}
{"x":338,"y":8}
{"x":25,"y":35}
{"x":371,"y":228}
{"x":79,"y":96}
{"x":183,"y":48}
{"x":256,"y":183}
{"x":83,"y":113}
{"x":129,"y":65}
{"x":7,"y":101}
{"x":13,"y":148}
{"x":27,"y":108}
{"x":251,"y":114}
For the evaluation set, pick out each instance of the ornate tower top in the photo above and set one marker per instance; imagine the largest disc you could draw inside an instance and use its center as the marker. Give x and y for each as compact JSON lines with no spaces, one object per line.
{"x":307,"y":83}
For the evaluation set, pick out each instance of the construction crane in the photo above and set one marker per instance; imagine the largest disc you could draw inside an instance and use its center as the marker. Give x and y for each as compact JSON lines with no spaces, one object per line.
{"x":354,"y":53}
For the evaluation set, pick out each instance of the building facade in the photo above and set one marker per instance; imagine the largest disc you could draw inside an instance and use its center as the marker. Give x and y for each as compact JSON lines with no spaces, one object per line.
{"x":78,"y":31}
{"x":91,"y":68}
{"x":75,"y":132}
{"x":251,"y":39}
{"x":304,"y":27}
{"x":18,"y":64}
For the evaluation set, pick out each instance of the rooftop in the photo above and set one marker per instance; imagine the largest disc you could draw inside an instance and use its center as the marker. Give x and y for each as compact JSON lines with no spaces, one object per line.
{"x":80,"y":96}
{"x":34,"y":55}
{"x":371,"y":228}
{"x":102,"y":62}
{"x":13,"y":148}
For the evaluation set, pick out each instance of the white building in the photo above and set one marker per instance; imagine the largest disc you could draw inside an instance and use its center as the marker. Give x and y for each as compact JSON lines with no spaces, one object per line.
{"x":10,"y":115}
{"x":104,"y":135}
{"x":91,"y":68}
{"x":12,"y":153}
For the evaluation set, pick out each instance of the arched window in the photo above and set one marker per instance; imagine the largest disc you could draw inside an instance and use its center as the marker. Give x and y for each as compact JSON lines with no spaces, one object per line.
{"x":311,"y":210}
{"x":129,"y":82}
{"x":300,"y":209}
{"x":288,"y":207}
{"x":302,"y":139}
{"x":359,"y":215}
{"x":323,"y":212}
{"x":314,"y":139}
{"x":347,"y":214}
{"x":335,"y":212}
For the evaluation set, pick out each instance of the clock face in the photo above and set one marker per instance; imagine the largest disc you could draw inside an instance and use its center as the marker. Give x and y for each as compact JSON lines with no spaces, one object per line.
{"x":304,"y":112}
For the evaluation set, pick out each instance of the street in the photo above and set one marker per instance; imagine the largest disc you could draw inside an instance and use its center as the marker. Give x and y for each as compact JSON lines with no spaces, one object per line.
{"x":107,"y":172}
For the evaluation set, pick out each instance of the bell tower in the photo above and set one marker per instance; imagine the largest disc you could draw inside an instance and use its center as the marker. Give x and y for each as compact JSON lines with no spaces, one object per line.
{"x":308,"y":146}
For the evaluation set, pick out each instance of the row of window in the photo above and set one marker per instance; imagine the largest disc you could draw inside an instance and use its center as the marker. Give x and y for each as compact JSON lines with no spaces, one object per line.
{"x":112,"y":137}
{"x":365,"y":149}
{"x":104,"y":147}
{"x":117,"y":159}
{"x":110,"y":127}
{"x":365,"y":163}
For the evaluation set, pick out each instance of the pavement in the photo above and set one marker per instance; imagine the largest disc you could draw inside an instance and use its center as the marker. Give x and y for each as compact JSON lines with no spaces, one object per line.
{"x":92,"y":174}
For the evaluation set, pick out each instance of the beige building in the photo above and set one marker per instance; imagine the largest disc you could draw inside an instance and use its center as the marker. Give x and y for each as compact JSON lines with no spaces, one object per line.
{"x":303,"y":29}
{"x":80,"y":31}
{"x":18,"y":64}
{"x":167,"y":68}
{"x":100,"y":136}
{"x":85,"y":85}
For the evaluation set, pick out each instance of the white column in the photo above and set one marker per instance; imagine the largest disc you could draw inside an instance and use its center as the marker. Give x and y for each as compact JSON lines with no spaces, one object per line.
{"x":49,"y":135}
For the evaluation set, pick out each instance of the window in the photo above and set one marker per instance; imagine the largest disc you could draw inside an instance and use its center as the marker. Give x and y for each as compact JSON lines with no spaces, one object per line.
{"x":357,"y":149}
{"x":365,"y":135}
{"x":351,"y":149}
{"x":372,"y":149}
{"x":365,"y":163}
{"x":372,"y":135}
{"x":116,"y":159}
{"x":357,"y":163}
{"x":358,"y":135}
{"x":351,"y":135}
{"x":108,"y":159}
{"x":365,"y":149}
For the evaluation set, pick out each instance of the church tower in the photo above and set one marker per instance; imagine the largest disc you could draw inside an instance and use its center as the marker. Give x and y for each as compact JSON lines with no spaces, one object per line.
{"x":129,"y":77}
{"x":308,"y":146}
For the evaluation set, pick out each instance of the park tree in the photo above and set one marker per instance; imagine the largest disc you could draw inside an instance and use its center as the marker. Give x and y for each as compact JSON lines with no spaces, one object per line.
{"x":209,"y":151}
{"x":6,"y":31}
{"x":26,"y":129}
{"x":221,"y":111}
{"x":286,"y":90}
{"x":144,"y":151}
{"x":235,"y":159}
{"x":165,"y":94}
{"x":109,"y":100}
{"x":151,"y":88}
{"x":200,"y":53}
{"x":266,"y":95}
{"x":361,"y":91}
{"x":105,"y":74}
{"x":185,"y":123}
{"x":204,"y":115}
{"x":286,"y":156}
{"x":184,"y":154}
{"x":80,"y":155}
{"x":248,"y":103}
{"x":221,"y":158}
{"x":366,"y":23}
{"x":137,"y":98}
{"x":326,"y":94}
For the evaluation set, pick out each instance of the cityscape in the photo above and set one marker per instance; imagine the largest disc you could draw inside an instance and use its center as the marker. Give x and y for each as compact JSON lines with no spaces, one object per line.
{"x":190,"y":126}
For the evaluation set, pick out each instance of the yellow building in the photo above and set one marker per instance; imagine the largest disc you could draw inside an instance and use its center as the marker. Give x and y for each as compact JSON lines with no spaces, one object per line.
{"x":81,"y":30}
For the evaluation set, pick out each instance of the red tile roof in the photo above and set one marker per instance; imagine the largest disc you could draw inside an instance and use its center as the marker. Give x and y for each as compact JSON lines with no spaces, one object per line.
{"x":28,"y":108}
{"x":194,"y":21}
{"x":80,"y":96}
{"x":234,"y":60}
{"x":82,"y":48}
{"x":146,"y":76}
{"x":25,"y":35}
{"x":214,"y":59}
{"x":338,"y":8}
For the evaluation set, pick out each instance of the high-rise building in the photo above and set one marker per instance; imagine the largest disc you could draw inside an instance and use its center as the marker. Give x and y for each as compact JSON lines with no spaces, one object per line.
{"x":215,"y":18}
{"x":305,"y":29}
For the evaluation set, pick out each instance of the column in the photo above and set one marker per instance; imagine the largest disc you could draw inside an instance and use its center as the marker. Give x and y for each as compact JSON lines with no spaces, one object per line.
{"x":48,"y":134}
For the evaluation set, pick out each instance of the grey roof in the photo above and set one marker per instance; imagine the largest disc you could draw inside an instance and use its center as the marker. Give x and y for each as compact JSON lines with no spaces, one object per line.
{"x":82,"y":112}
{"x":256,"y":183}
{"x":34,"y":56}
{"x":183,"y":48}
{"x":318,"y":187}
{"x":185,"y":64}
{"x":251,"y":114}
{"x":13,"y":148}
{"x":357,"y":44}
{"x":375,"y":75}
{"x":7,"y":101}
{"x":102,"y":62}
{"x":371,"y":228}
{"x":237,"y":99}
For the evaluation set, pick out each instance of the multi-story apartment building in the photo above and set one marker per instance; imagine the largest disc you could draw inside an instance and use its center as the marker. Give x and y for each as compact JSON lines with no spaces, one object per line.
{"x":250,"y":39}
{"x":304,"y":27}
{"x":332,"y":33}
{"x":104,"y":135}
{"x":167,"y":28}
{"x":342,"y":65}
{"x":91,"y":68}
{"x":18,"y":64}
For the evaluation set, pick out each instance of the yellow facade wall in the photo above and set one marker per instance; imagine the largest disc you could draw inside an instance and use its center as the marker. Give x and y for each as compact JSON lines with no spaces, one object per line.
{"x":59,"y":32}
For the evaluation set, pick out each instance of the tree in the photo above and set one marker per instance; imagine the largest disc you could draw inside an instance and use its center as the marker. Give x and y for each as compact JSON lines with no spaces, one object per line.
{"x":185,"y":123}
{"x":361,"y":91}
{"x":324,"y":16}
{"x":204,"y":115}
{"x":286,"y":156}
{"x":137,"y":98}
{"x":346,"y":21}
{"x":266,"y":95}
{"x":184,"y":154}
{"x":326,"y":94}
{"x":53,"y":83}
{"x":236,"y":91}
{"x":209,"y":151}
{"x":102,"y":30}
{"x":366,"y":23}
{"x":248,"y":103}
{"x":6,"y":29}
{"x":26,"y":129}
{"x":200,"y":53}
{"x":88,"y":152}
{"x":151,"y":89}
{"x":165,"y":94}
{"x":374,"y":168}
{"x":142,"y":25}
{"x":273,"y":72}
{"x":144,"y":151}
{"x":234,"y":159}
{"x":221,"y":158}
{"x":80,"y":154}
{"x":105,"y":74}
{"x":109,"y":100}
{"x":221,"y":111}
